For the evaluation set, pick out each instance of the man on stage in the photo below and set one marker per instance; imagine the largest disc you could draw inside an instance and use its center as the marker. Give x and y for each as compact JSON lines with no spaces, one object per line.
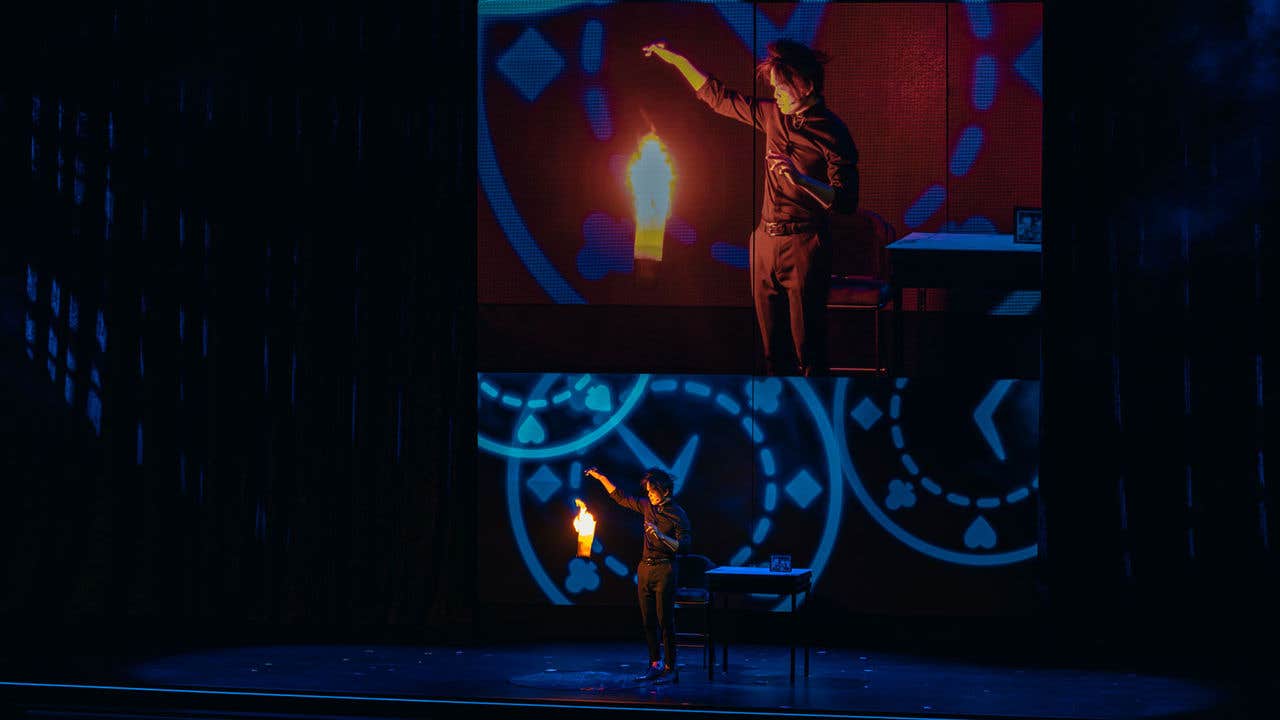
{"x":812,"y":171}
{"x":666,"y":534}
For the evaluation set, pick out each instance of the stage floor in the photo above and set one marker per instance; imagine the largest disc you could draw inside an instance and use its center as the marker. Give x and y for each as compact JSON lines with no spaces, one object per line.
{"x":842,"y":682}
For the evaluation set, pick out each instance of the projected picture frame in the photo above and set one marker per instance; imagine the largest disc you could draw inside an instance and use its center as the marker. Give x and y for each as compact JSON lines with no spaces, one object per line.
{"x":1027,"y":222}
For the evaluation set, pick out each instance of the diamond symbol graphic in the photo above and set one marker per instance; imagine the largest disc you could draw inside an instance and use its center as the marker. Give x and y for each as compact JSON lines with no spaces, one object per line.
{"x":1030,"y":63}
{"x":530,"y":64}
{"x":543,"y":483}
{"x":803,"y":489}
{"x":866,"y":414}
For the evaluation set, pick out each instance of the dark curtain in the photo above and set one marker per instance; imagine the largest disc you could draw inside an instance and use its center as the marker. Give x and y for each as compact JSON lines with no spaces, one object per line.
{"x":271,"y":206}
{"x":298,"y":181}
{"x":1160,"y":186}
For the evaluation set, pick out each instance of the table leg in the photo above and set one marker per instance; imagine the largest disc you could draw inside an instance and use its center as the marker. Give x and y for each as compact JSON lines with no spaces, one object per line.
{"x":808,"y":635}
{"x":896,"y":362}
{"x":724,"y":643}
{"x":711,"y":638}
{"x":793,"y":638}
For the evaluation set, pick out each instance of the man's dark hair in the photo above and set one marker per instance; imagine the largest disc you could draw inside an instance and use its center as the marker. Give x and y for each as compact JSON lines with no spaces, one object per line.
{"x":797,"y":64}
{"x":659,"y":479}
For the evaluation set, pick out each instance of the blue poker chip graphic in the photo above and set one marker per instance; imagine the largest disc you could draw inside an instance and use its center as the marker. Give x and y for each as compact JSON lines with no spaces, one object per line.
{"x":745,"y":412}
{"x":899,"y":497}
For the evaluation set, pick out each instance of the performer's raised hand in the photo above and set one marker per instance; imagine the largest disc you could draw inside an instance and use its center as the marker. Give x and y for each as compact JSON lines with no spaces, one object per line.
{"x":594,"y":472}
{"x":659,"y":48}
{"x":695,"y":77}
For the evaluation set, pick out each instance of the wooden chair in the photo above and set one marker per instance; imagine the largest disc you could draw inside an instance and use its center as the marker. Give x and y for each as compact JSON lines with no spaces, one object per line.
{"x":860,"y":274}
{"x":692,"y":593}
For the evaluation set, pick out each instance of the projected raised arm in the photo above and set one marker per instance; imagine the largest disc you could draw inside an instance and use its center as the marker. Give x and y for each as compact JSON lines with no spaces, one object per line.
{"x":695,"y":77}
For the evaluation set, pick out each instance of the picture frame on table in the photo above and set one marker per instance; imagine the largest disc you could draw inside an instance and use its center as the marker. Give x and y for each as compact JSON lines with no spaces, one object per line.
{"x":1027,"y":223}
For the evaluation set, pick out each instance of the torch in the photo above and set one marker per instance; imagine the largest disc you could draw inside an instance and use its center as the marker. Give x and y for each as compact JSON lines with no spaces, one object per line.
{"x":586,"y":527}
{"x":652,"y":180}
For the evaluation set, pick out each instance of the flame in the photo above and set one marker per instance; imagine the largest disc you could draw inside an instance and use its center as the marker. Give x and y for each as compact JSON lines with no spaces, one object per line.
{"x":652,"y":180}
{"x":585,"y":524}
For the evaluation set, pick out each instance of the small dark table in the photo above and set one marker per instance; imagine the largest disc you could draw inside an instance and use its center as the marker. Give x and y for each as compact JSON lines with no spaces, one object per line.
{"x":725,"y":580}
{"x":958,"y":261}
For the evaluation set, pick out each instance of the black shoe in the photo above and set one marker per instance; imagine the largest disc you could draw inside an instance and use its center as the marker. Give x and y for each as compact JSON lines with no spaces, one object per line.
{"x":669,"y":675}
{"x":654,"y":672}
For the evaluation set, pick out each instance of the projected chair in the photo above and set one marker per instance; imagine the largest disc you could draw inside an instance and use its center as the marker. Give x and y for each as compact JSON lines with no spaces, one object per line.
{"x":860,"y":276}
{"x":692,"y":593}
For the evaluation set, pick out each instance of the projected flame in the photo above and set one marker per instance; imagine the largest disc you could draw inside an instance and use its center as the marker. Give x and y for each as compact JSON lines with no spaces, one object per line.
{"x":585,"y":524}
{"x":652,"y":180}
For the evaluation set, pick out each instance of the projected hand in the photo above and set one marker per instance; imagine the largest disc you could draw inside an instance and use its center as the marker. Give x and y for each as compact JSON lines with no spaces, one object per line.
{"x":782,"y":165}
{"x":650,"y":528}
{"x":693,"y":75}
{"x":660,"y":49}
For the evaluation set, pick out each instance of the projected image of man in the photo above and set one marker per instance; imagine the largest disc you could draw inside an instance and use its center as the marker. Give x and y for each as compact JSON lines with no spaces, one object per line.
{"x":811,"y":172}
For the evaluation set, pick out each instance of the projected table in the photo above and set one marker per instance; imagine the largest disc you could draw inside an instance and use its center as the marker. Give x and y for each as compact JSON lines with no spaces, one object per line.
{"x":958,"y":261}
{"x":726,"y":580}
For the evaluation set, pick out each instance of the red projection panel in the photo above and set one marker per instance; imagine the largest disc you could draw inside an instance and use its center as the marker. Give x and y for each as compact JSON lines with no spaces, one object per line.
{"x":943,"y":102}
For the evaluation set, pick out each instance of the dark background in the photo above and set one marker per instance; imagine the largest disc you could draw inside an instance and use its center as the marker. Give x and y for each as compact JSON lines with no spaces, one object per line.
{"x":1160,"y":163}
{"x":278,"y":177}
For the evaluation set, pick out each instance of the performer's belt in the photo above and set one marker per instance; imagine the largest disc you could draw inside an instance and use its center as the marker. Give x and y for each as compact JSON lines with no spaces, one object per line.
{"x":804,"y":227}
{"x":655,"y":560}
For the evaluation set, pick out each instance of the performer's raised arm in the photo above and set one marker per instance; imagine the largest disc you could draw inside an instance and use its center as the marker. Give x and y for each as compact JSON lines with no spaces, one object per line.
{"x":710,"y":90}
{"x":615,"y":493}
{"x":693,"y":75}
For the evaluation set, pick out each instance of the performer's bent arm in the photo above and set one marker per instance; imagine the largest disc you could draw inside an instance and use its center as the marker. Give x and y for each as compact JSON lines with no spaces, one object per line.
{"x":842,"y":172}
{"x":682,"y":540}
{"x":841,"y":193}
{"x":666,"y":539}
{"x":820,"y":191}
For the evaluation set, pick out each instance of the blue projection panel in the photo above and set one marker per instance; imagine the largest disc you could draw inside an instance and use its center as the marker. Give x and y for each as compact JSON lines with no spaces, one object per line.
{"x":865,"y":481}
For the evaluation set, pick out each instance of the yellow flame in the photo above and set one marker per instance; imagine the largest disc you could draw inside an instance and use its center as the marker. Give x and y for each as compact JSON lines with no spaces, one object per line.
{"x":652,"y":180}
{"x":586,"y":527}
{"x":584,"y":523}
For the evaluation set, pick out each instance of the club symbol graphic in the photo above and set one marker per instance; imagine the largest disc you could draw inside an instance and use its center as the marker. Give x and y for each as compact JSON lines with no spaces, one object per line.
{"x":704,"y":430}
{"x":953,"y":479}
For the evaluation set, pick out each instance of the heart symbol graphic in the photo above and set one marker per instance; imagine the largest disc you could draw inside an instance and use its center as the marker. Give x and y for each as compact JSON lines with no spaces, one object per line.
{"x":980,"y":535}
{"x":531,"y":431}
{"x":599,"y":399}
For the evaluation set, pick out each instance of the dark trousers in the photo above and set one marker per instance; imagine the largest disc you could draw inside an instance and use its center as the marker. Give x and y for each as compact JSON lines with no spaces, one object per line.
{"x":790,"y":276}
{"x":656,"y":585}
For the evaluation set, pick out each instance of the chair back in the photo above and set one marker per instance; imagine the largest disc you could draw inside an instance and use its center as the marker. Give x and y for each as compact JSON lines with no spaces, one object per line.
{"x":692,"y":570}
{"x":860,"y":245}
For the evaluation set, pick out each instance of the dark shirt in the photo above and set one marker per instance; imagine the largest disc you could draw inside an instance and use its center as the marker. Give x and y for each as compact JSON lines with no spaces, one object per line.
{"x":816,"y":140}
{"x":670,"y":519}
